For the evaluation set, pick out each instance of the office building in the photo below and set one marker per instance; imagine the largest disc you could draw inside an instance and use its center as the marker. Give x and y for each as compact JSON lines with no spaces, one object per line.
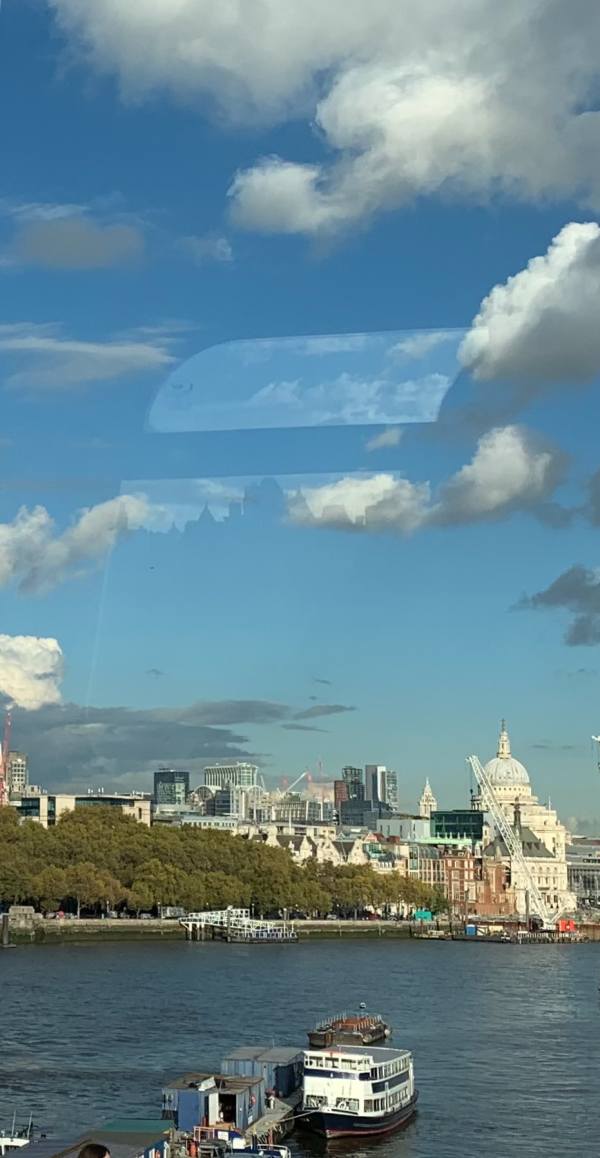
{"x":381,"y":785}
{"x":457,"y":823}
{"x":47,"y":808}
{"x":18,"y":777}
{"x":239,"y":775}
{"x":171,"y":786}
{"x":353,"y":779}
{"x":340,"y":793}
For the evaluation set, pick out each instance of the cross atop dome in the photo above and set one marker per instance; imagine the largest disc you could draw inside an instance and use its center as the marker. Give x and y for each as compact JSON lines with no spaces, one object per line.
{"x":503,"y":752}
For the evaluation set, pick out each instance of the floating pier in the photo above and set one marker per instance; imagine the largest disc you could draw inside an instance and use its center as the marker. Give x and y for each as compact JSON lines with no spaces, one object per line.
{"x":236,"y":925}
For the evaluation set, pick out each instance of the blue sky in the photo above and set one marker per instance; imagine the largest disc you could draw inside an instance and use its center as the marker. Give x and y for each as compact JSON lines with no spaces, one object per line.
{"x":212,"y":275}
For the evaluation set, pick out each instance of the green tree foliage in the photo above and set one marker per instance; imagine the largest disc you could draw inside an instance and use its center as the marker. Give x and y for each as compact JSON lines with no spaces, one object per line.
{"x":95,"y":859}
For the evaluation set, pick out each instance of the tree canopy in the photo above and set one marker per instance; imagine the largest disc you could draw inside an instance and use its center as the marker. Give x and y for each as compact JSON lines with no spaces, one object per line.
{"x":96,"y":859}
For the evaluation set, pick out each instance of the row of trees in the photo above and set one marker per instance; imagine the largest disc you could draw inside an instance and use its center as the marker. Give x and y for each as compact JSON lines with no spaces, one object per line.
{"x":96,"y":860}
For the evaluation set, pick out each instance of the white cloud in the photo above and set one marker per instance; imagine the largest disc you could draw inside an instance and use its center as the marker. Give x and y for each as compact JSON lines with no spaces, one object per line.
{"x":207,"y":248}
{"x":52,"y":360}
{"x":387,"y":438}
{"x":420,"y":344}
{"x":458,"y":99}
{"x":350,"y":400}
{"x":371,"y":502}
{"x":31,"y":670}
{"x":509,"y":471}
{"x":543,"y":325}
{"x":36,"y":558}
{"x":60,"y":241}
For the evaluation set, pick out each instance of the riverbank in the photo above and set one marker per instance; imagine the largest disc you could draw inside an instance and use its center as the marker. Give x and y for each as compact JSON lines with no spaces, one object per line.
{"x":42,"y":931}
{"x":48,"y":932}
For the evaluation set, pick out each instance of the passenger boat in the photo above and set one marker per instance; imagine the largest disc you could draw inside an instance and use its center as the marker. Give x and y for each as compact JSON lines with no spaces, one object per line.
{"x":357,"y":1091}
{"x":15,"y":1139}
{"x":349,"y":1029}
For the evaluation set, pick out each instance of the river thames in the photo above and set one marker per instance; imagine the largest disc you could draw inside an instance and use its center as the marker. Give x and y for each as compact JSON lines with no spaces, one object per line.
{"x":505,"y":1038}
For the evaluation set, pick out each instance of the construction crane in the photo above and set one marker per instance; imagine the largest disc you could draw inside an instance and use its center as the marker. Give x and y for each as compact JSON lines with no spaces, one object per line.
{"x":296,"y":781}
{"x":4,"y":759}
{"x":490,"y":804}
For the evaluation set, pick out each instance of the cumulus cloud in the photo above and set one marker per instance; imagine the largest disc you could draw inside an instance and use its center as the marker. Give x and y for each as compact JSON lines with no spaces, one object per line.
{"x":36,"y":558}
{"x":457,"y":99}
{"x":50,"y":360}
{"x":542,"y":327}
{"x":75,"y":242}
{"x":510,"y":470}
{"x":31,"y":671}
{"x":576,"y":591}
{"x":387,"y":438}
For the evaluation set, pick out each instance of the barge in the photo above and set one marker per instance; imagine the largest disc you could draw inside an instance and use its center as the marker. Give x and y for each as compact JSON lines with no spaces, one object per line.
{"x":349,"y":1029}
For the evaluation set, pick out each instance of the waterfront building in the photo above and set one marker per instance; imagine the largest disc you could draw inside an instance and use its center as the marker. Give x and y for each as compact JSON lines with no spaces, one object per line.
{"x":171,"y":786}
{"x":239,"y":775}
{"x":583,"y":866}
{"x":18,"y":776}
{"x":543,"y":837}
{"x":428,"y":802}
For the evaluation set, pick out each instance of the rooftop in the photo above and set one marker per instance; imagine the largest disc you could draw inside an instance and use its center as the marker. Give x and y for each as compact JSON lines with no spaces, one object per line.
{"x":378,"y":1054}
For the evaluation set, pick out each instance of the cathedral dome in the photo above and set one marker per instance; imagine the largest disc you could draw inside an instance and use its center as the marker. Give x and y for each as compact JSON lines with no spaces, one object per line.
{"x":504,"y":771}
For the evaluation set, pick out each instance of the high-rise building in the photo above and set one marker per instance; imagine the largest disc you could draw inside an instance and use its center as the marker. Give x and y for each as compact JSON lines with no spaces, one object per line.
{"x":17,"y":772}
{"x":340,"y":793}
{"x":171,"y":786}
{"x":381,"y":785}
{"x":353,"y":778}
{"x":239,"y":775}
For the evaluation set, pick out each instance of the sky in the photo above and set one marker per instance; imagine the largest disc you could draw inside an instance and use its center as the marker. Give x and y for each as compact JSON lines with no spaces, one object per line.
{"x":299,"y":362}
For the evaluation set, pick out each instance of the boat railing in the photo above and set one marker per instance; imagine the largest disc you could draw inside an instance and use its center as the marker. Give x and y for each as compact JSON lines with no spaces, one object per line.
{"x":360,"y":1021}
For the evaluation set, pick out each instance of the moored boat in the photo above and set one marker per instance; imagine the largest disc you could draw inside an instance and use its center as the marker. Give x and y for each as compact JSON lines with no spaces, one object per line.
{"x":15,"y":1139}
{"x":357,"y":1091}
{"x":349,"y":1029}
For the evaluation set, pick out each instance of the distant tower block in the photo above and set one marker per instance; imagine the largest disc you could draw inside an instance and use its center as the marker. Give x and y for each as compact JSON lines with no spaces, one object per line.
{"x":428,"y":802}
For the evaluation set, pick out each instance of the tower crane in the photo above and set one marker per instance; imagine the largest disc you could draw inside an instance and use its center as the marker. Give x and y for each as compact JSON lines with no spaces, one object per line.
{"x":515,"y":851}
{"x":4,"y":759}
{"x":296,"y":781}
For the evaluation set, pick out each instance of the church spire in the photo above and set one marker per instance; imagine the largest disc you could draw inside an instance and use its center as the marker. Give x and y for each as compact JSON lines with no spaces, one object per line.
{"x":503,"y":752}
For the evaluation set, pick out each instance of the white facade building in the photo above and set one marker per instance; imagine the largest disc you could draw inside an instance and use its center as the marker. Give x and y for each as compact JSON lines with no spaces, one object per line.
{"x":544,"y":839}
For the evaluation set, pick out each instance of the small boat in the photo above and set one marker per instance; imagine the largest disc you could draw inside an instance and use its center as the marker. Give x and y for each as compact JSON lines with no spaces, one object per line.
{"x":355,"y":1092}
{"x":349,"y":1029}
{"x":15,"y":1139}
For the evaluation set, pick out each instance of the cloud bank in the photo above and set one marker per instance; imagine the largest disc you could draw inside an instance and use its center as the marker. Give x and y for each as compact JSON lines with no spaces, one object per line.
{"x":456,"y":99}
{"x":35,"y":558}
{"x":510,"y":470}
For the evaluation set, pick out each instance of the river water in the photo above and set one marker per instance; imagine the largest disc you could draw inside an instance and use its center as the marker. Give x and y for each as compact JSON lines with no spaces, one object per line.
{"x":506,"y":1038}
